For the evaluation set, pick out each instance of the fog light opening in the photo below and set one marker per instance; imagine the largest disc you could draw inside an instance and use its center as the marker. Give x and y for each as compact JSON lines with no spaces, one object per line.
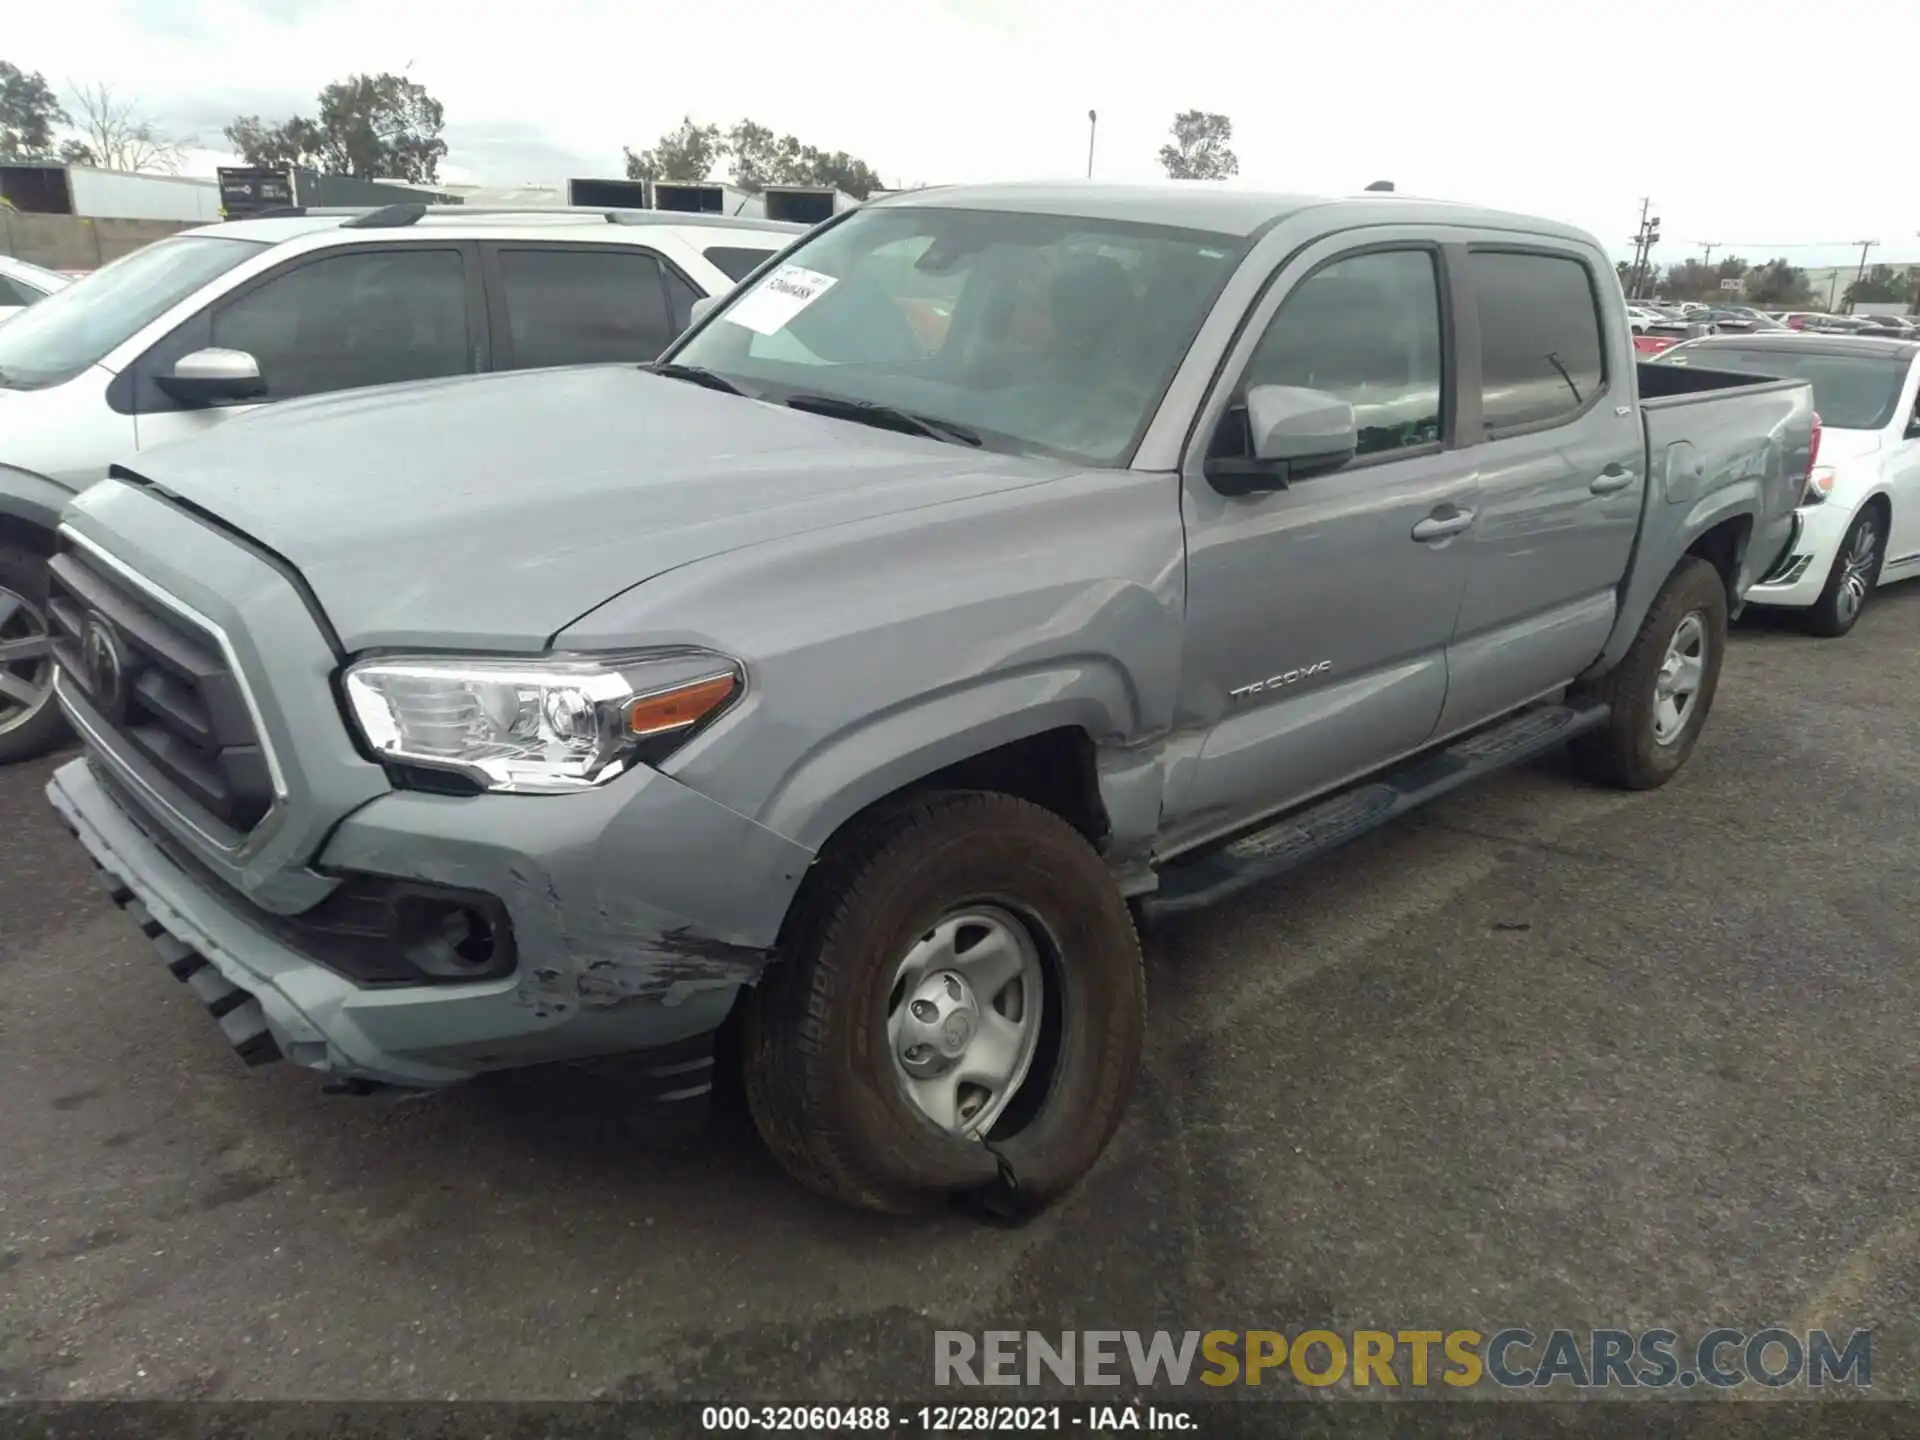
{"x":444,"y":937}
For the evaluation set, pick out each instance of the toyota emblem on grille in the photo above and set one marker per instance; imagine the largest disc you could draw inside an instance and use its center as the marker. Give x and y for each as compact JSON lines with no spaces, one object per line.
{"x":100,"y":657}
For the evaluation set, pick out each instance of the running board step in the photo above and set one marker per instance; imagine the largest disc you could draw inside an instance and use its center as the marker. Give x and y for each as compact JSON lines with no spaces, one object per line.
{"x":1293,"y":840}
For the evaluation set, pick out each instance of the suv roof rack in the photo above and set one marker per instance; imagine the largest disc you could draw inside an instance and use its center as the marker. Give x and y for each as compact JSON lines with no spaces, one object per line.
{"x":412,"y":212}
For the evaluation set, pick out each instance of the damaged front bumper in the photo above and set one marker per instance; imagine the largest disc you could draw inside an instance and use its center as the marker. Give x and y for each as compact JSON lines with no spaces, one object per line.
{"x":597,"y":970}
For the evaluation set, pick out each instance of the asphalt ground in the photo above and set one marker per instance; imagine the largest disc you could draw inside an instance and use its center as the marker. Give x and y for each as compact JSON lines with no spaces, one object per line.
{"x":1544,"y":1055}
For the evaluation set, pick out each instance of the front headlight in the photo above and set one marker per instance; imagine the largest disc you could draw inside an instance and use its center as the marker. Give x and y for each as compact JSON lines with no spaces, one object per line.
{"x":1820,"y":481}
{"x":539,"y":726}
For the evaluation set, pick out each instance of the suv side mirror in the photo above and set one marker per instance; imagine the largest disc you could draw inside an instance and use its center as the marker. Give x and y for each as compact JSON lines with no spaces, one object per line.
{"x":702,"y":308}
{"x":1913,"y":427}
{"x":1293,"y":433}
{"x":213,"y":376}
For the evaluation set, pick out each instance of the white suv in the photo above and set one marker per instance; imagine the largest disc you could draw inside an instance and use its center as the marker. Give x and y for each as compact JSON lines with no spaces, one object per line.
{"x":22,"y":285}
{"x":188,"y":332}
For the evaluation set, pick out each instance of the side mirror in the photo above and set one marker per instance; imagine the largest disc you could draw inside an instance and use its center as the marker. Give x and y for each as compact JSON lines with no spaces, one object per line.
{"x":702,"y":308}
{"x":213,"y":377}
{"x":1294,"y":433}
{"x":1913,"y":428}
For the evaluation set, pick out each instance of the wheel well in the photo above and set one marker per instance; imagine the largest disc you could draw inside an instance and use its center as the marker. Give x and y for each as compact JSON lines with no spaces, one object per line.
{"x":25,"y":534}
{"x":1881,"y":502}
{"x":1054,"y":769}
{"x":1724,"y":547}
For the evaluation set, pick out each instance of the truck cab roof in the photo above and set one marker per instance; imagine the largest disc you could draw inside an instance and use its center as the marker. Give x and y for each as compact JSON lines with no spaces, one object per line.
{"x":1200,"y":205}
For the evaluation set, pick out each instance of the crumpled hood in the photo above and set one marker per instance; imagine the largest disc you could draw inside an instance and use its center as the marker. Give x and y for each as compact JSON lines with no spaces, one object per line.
{"x":488,"y":512}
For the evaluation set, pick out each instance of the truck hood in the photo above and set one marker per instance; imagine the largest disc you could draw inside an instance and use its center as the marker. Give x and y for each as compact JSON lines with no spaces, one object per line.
{"x":488,"y":512}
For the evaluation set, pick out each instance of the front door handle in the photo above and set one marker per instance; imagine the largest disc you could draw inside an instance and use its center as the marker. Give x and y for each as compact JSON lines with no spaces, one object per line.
{"x":1439,"y":527}
{"x":1613,"y":478}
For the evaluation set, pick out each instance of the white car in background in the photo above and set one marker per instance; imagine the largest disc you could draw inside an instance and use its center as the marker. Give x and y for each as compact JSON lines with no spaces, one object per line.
{"x":195,"y":330}
{"x":22,"y":285}
{"x":1859,"y":526}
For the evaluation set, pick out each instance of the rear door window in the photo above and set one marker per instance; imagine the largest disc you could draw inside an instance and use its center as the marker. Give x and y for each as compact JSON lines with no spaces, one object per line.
{"x":736,"y":262}
{"x":579,"y":305}
{"x":1541,"y":360}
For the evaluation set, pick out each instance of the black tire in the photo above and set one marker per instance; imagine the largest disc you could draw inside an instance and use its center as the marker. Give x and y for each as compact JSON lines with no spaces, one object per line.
{"x":1628,"y":752}
{"x":820,"y":1080}
{"x":1836,"y":611}
{"x":23,"y":573}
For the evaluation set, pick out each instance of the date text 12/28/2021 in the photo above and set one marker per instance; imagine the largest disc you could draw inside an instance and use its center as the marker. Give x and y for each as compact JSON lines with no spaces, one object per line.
{"x":943,"y":1419}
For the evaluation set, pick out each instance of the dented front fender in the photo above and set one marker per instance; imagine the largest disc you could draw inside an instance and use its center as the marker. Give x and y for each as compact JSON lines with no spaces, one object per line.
{"x":642,"y":893}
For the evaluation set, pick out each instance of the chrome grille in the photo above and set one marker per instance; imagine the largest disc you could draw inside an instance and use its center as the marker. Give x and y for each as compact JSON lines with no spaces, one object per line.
{"x":159,"y":684}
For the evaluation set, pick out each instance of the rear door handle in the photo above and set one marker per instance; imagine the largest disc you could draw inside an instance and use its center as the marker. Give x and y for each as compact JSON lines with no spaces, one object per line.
{"x":1613,"y":478}
{"x":1439,"y":527}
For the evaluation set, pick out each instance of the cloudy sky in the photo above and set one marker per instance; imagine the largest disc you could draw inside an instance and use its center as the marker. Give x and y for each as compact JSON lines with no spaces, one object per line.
{"x":1760,"y":127}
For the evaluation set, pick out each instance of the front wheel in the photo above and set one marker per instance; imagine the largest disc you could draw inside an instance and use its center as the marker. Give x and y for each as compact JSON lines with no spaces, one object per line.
{"x":961,"y":1008}
{"x":1660,"y":692}
{"x":1856,"y":569}
{"x":31,"y":724}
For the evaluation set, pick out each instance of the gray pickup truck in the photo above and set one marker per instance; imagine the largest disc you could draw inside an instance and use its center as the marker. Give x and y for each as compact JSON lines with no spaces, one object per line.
{"x":995,"y":565}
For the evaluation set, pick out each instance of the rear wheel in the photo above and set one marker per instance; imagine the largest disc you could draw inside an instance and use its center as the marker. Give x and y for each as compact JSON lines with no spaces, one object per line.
{"x":31,"y":724}
{"x":1660,"y":692}
{"x":961,"y":1009}
{"x":1850,"y":584}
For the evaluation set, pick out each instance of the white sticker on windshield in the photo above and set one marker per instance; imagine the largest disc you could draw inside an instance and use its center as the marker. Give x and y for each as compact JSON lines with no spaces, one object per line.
{"x":778,"y":298}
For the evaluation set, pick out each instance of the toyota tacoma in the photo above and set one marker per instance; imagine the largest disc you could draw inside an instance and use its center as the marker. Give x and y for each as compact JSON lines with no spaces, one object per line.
{"x":999,"y":566}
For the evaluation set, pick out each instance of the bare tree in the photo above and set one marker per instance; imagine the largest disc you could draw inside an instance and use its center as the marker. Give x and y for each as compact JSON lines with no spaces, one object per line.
{"x":114,"y":136}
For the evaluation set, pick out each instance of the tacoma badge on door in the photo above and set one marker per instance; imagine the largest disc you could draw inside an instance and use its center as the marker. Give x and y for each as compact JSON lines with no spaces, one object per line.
{"x":1276,"y":682}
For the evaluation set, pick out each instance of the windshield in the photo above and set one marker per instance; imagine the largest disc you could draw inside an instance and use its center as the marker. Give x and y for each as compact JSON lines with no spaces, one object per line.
{"x":1851,"y":392}
{"x":35,"y":275}
{"x":73,"y":328}
{"x":1041,"y":333}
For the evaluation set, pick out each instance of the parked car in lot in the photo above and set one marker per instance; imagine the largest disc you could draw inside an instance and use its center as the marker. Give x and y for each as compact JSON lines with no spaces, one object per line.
{"x":838,"y":680}
{"x":1661,"y":335}
{"x":1837,"y":325}
{"x":1897,"y":327}
{"x":1859,"y":525}
{"x":190,"y":332}
{"x":22,"y":285}
{"x":1740,"y":318}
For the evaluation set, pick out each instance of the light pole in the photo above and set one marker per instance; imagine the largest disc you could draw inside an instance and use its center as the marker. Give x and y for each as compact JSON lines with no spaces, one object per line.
{"x":1093,"y":119}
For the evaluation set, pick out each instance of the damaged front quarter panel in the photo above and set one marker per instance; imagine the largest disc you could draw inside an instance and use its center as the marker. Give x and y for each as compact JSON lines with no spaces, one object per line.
{"x":667,"y":969}
{"x":644,"y":892}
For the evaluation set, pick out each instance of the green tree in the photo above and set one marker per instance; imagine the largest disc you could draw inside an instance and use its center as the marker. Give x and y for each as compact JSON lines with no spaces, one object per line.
{"x":686,"y":154}
{"x":292,"y":142}
{"x":369,"y":126}
{"x":1691,"y":280}
{"x":29,"y":114}
{"x":1879,"y":285}
{"x":1778,"y":283}
{"x":838,"y":169}
{"x":1201,"y":147}
{"x":761,"y":158}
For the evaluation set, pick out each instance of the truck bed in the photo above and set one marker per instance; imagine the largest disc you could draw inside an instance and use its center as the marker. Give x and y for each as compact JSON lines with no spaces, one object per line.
{"x":1715,"y":439}
{"x":1667,"y":385}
